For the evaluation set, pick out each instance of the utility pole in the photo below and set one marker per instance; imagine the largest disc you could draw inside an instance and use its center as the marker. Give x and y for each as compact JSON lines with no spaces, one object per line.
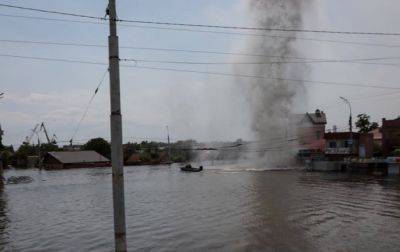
{"x":169,"y":146}
{"x":116,"y":133}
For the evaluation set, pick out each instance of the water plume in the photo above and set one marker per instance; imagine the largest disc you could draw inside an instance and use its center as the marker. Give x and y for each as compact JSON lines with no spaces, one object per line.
{"x":271,"y":101}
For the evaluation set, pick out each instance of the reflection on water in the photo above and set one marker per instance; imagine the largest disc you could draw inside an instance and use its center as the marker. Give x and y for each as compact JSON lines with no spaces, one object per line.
{"x":225,"y":208}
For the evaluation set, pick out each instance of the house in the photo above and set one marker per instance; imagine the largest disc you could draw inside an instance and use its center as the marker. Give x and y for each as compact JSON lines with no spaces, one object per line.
{"x":74,"y":159}
{"x":390,"y":136}
{"x":309,"y":129}
{"x":341,"y":145}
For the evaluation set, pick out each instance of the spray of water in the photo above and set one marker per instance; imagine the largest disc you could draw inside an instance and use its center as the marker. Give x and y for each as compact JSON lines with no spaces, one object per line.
{"x":271,"y":102}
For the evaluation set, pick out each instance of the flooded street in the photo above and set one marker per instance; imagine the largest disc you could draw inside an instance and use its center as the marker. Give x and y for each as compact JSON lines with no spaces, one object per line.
{"x":224,"y":208}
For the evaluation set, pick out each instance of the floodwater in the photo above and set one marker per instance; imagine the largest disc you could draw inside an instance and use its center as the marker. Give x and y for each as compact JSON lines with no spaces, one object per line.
{"x":224,"y":208}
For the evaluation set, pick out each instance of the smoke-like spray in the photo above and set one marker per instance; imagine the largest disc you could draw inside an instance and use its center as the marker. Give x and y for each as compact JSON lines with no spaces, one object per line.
{"x":271,"y":100}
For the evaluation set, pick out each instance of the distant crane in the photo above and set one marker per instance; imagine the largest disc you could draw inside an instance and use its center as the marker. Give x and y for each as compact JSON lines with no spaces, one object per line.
{"x":28,"y":139}
{"x":54,"y":137}
{"x":43,"y":127}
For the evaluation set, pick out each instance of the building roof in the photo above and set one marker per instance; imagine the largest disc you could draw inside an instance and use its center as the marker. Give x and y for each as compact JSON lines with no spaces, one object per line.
{"x":318,"y":117}
{"x":71,"y":157}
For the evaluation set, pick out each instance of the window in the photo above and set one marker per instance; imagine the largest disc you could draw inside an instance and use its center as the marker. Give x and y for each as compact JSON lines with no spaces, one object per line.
{"x":332,"y":144}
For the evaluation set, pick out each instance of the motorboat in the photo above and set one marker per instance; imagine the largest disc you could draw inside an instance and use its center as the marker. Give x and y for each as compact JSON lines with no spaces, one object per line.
{"x":189,"y":168}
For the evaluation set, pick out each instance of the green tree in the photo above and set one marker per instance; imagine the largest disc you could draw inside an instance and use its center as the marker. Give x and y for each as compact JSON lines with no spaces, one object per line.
{"x":48,"y":147}
{"x":1,"y":139}
{"x":20,"y":157}
{"x":364,"y":125}
{"x":99,"y":145}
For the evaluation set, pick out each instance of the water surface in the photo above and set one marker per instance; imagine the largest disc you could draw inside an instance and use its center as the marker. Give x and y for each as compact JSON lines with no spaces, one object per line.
{"x":225,"y":208}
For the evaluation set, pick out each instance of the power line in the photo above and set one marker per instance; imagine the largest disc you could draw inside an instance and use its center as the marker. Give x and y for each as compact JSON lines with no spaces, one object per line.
{"x":376,"y":86}
{"x":209,"y":31}
{"x":310,"y":60}
{"x":260,"y":28}
{"x":267,"y":78}
{"x":53,"y":59}
{"x":356,"y":61}
{"x":51,"y":12}
{"x":204,"y":25}
{"x":88,"y":105}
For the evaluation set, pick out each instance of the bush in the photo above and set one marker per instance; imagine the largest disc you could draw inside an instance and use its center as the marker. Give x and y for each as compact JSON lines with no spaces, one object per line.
{"x":99,"y":145}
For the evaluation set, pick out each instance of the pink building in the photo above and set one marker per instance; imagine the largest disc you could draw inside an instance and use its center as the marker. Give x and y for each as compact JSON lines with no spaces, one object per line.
{"x":310,"y":131}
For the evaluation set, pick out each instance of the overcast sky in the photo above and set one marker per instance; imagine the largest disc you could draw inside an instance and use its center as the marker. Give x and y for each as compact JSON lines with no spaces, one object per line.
{"x":198,"y":106}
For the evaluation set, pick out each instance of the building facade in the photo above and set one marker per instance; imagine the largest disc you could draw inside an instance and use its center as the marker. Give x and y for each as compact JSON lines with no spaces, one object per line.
{"x":390,"y":136}
{"x":341,"y":145}
{"x":310,"y":129}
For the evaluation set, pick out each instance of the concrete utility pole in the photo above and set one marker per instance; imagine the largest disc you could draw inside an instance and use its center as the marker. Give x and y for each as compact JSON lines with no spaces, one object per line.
{"x":116,"y":133}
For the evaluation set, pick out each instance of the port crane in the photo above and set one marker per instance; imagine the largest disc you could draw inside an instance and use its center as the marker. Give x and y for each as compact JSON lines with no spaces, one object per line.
{"x":28,"y":139}
{"x":53,"y":140}
{"x":36,"y":130}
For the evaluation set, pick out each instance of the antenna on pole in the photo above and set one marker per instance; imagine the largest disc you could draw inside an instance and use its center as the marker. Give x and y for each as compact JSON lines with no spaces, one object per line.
{"x":116,"y":133}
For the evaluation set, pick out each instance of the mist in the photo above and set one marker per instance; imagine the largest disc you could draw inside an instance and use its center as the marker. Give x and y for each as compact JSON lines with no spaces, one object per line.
{"x":272,"y":102}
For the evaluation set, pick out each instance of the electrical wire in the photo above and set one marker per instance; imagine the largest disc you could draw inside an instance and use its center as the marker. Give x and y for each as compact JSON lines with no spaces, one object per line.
{"x":356,"y":61}
{"x":203,"y":25}
{"x":51,"y":11}
{"x":189,"y":51}
{"x":208,"y":31}
{"x":304,"y":60}
{"x":267,"y":78}
{"x":299,"y":81}
{"x":88,"y":105}
{"x":53,"y":59}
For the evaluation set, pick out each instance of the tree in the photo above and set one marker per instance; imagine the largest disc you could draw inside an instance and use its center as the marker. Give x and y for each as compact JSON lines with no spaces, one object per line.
{"x":1,"y":139}
{"x":20,"y":158}
{"x":48,"y":147}
{"x":364,"y":125}
{"x":99,"y":145}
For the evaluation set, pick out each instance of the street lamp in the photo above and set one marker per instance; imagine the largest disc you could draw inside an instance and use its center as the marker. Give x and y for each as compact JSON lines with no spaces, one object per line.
{"x":350,"y":123}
